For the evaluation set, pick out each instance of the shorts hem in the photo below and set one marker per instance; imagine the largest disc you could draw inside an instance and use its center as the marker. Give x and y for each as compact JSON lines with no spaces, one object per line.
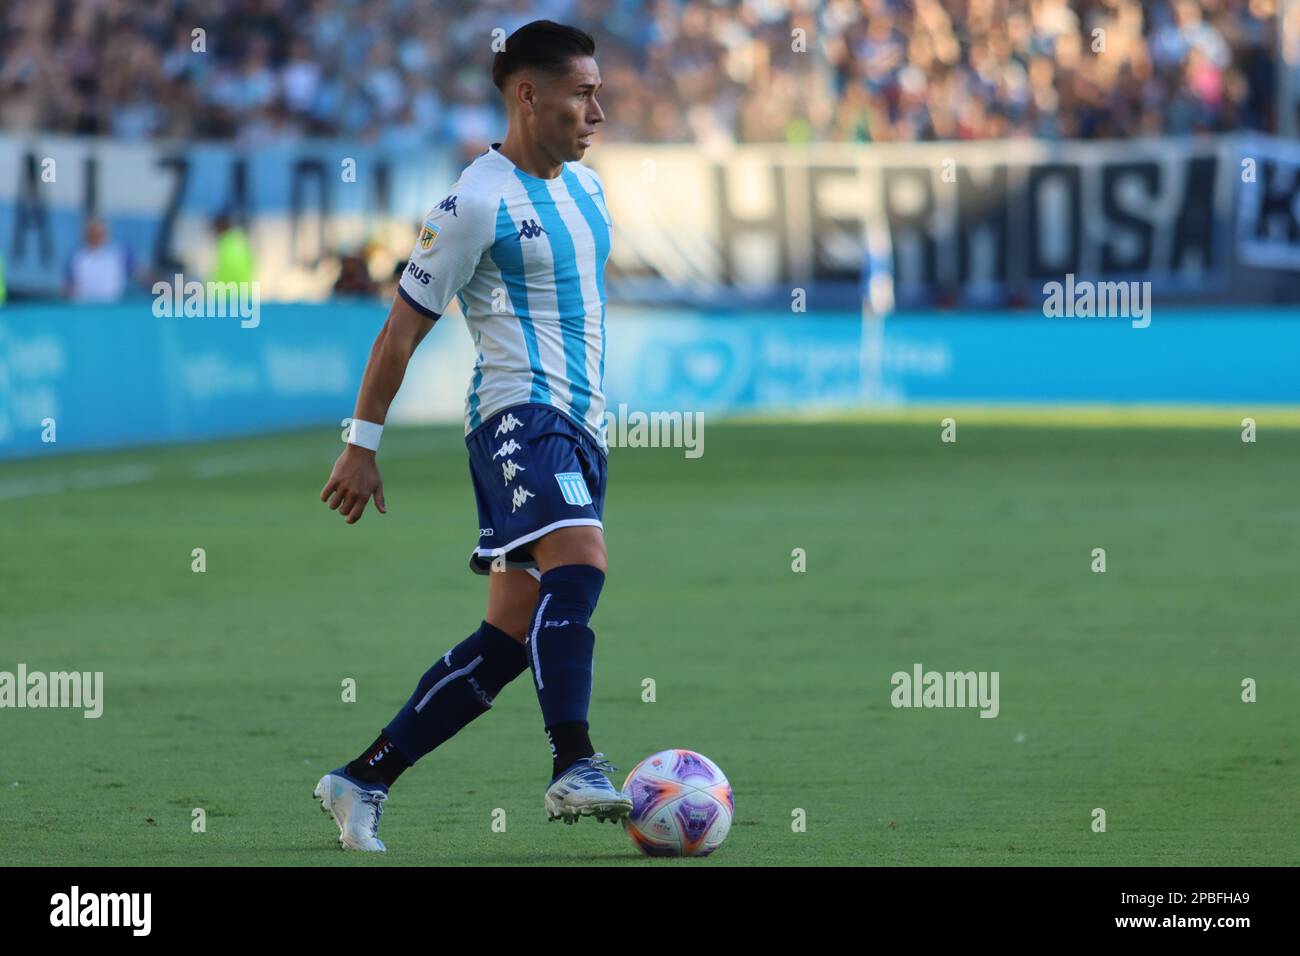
{"x":487,"y":554}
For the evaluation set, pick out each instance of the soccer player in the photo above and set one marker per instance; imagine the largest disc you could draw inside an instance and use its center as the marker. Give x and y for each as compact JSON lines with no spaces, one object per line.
{"x":521,"y":241}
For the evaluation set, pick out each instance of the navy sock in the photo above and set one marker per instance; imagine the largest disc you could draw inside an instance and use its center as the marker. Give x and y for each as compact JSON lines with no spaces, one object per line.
{"x":569,"y":742}
{"x":455,"y":690}
{"x":381,"y":762}
{"x":560,"y":652}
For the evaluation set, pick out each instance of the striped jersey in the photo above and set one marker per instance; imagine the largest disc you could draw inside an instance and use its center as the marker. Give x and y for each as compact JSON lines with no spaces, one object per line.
{"x":526,"y":259}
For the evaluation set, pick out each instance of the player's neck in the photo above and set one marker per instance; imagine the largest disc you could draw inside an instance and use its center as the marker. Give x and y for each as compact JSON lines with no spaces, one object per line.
{"x":529,"y":158}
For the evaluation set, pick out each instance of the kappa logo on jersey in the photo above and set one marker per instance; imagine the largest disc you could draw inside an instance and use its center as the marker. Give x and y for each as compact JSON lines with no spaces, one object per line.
{"x":428,"y":234}
{"x":573,"y":488}
{"x":509,"y":448}
{"x":508,"y":424}
{"x":449,"y":205}
{"x":520,"y":496}
{"x":418,"y":273}
{"x":599,"y":200}
{"x":510,"y":469}
{"x":528,"y":229}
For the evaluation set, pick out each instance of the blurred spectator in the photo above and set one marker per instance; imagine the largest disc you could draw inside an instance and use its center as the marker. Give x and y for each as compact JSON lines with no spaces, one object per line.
{"x":100,"y":269}
{"x":394,"y":71}
{"x":354,"y":277}
{"x":234,"y":253}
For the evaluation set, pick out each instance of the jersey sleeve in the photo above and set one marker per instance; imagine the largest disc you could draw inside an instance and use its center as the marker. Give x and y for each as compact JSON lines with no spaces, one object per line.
{"x":453,"y":237}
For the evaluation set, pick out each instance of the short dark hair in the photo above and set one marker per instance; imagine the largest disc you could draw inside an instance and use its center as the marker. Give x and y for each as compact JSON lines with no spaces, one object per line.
{"x":543,"y":45}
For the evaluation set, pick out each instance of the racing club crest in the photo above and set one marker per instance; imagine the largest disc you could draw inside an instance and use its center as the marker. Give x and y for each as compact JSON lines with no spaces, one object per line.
{"x":428,"y":234}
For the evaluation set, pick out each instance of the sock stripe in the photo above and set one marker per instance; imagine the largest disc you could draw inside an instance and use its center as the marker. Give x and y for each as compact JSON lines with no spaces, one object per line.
{"x":532,"y":640}
{"x":450,"y":677}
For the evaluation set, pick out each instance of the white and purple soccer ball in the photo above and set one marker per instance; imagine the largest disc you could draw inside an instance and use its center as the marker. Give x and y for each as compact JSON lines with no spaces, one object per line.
{"x":681,"y":804}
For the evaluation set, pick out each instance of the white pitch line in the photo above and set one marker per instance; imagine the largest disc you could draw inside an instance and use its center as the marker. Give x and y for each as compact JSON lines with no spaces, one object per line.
{"x":221,"y":466}
{"x":139,"y":472}
{"x":127,"y":473}
{"x":86,"y":479}
{"x":27,"y":487}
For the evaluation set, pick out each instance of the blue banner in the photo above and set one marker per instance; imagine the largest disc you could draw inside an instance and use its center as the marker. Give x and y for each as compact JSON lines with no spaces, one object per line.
{"x":107,"y":377}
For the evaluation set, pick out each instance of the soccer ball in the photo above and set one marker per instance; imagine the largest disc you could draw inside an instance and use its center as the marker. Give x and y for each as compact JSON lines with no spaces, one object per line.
{"x":681,"y":804}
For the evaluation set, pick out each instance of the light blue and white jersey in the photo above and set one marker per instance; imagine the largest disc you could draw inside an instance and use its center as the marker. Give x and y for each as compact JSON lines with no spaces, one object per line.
{"x":526,"y":258}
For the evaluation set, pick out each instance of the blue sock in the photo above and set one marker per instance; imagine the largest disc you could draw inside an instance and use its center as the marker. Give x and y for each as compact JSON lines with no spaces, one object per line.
{"x":455,"y":690}
{"x":561,"y":645}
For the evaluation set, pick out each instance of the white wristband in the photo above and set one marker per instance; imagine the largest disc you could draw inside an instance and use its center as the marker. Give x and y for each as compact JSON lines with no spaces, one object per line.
{"x":365,"y":434}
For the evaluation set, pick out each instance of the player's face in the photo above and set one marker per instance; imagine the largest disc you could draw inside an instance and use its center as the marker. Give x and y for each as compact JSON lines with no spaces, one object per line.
{"x":568,"y":114}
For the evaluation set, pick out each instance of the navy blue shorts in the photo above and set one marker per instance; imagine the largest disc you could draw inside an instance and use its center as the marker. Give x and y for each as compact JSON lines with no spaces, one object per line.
{"x":534,"y":470}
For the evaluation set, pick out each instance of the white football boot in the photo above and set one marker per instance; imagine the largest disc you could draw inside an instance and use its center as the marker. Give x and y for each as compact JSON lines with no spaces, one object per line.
{"x":584,"y":791}
{"x":355,"y":808}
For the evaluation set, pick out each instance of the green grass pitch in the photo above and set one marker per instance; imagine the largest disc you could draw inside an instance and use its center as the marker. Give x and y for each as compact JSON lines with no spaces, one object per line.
{"x":1119,"y":690}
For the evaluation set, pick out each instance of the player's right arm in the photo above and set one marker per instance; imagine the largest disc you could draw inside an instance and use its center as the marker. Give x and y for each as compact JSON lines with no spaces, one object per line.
{"x":355,"y":477}
{"x":447,"y":251}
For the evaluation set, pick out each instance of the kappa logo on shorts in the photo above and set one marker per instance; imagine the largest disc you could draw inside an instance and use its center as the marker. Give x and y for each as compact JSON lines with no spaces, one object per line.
{"x":509,"y":469}
{"x":507,"y":425}
{"x":521,"y":496}
{"x":573,"y":488}
{"x":509,"y":448}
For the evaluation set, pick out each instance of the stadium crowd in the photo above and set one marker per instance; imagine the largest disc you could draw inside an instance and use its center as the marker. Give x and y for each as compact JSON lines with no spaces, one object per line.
{"x":409,"y":73}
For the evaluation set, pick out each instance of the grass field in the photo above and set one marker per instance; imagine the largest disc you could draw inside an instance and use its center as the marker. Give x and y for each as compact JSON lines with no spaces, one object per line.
{"x":1119,"y":690}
